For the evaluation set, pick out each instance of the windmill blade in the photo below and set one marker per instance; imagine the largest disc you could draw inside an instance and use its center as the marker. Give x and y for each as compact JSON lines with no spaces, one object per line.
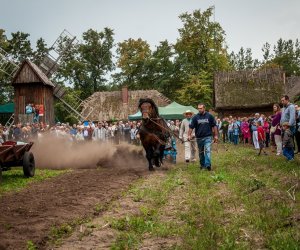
{"x":7,"y":66}
{"x":58,"y":50}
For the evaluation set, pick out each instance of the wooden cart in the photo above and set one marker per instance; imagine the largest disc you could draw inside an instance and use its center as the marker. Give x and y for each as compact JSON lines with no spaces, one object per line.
{"x":13,"y":154}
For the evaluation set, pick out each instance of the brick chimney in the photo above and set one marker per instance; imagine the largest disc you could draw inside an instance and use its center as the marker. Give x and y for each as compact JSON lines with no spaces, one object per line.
{"x":125,"y":95}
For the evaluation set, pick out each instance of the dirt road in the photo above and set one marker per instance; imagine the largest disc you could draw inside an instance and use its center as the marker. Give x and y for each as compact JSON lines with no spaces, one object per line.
{"x":28,"y":215}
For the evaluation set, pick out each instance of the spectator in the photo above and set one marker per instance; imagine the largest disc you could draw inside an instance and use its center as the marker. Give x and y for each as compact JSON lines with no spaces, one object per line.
{"x":245,"y":130}
{"x":17,"y":132}
{"x":275,"y":130}
{"x":99,"y":133}
{"x":85,"y":133}
{"x":287,"y":141}
{"x":236,"y":131}
{"x":254,"y":133}
{"x":36,"y":117}
{"x":133,"y":133}
{"x":297,"y":135}
{"x":224,"y":128}
{"x":261,"y":137}
{"x":288,"y":113}
{"x":28,"y":109}
{"x":230,"y":131}
{"x":79,"y":135}
{"x":266,"y":128}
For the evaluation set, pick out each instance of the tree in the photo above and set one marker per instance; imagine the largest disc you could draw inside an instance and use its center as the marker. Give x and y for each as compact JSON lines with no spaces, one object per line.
{"x":85,"y":66}
{"x":198,"y":89}
{"x":243,"y":60}
{"x":287,"y":55}
{"x":19,"y":47}
{"x":201,"y":40}
{"x":6,"y":90}
{"x":199,"y":52}
{"x":41,"y":51}
{"x":266,"y":49}
{"x":133,"y":56}
{"x":160,"y":69}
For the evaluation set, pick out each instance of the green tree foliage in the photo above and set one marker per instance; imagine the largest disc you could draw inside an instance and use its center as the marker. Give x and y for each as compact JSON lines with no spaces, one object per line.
{"x":41,"y":51}
{"x":243,"y":60}
{"x":200,"y":38}
{"x":197,"y":90}
{"x":285,"y":54}
{"x":6,"y":90}
{"x":199,"y":52}
{"x":19,"y":47}
{"x":86,"y":65}
{"x":133,"y":56}
{"x":161,"y":69}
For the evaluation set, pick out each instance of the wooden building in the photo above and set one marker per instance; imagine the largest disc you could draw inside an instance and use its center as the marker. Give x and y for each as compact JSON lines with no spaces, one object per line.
{"x":32,"y":86}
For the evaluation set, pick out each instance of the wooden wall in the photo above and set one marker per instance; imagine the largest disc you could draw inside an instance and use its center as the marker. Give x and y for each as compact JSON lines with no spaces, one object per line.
{"x":34,"y":93}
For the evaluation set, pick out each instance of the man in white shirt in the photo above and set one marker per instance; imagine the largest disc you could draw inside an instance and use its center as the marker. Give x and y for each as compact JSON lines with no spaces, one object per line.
{"x":189,"y":146}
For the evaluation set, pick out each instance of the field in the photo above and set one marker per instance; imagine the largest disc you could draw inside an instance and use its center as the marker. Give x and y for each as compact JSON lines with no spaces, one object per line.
{"x":246,"y":202}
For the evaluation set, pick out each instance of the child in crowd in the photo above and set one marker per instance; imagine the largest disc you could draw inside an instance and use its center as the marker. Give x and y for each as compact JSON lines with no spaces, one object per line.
{"x":287,"y":142}
{"x":261,"y":137}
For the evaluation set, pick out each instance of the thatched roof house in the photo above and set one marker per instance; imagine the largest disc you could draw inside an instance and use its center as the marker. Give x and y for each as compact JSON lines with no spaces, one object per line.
{"x":117,"y":105}
{"x":248,"y":91}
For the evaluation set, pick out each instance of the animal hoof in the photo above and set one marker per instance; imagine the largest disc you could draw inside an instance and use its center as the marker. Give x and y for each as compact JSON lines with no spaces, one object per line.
{"x":151,"y":169}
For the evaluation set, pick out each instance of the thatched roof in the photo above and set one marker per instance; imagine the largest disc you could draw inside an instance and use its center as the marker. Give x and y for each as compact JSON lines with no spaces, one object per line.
{"x":109,"y":105}
{"x":30,"y":73}
{"x":293,"y":87}
{"x":248,"y":88}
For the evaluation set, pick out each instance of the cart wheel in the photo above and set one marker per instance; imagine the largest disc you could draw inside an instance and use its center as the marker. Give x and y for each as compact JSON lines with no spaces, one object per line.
{"x":28,"y":164}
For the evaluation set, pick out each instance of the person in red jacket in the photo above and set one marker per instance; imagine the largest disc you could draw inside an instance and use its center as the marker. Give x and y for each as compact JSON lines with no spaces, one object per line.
{"x":261,"y":138}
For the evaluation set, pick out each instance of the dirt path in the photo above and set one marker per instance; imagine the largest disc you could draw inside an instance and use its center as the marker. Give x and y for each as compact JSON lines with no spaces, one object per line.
{"x":28,"y":215}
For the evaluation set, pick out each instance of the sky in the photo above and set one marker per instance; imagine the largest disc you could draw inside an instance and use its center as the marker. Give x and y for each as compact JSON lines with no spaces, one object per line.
{"x":247,"y":23}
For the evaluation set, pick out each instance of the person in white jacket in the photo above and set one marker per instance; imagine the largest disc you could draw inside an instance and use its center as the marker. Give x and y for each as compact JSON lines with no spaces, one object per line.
{"x":189,"y":146}
{"x":99,"y":133}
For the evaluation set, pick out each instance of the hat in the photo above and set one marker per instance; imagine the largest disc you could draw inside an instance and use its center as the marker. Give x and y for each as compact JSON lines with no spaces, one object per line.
{"x":256,"y":113}
{"x":188,"y":112}
{"x":286,"y":124}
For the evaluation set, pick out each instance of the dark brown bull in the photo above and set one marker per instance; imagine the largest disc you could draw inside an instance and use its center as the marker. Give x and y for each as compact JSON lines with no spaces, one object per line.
{"x":153,"y":132}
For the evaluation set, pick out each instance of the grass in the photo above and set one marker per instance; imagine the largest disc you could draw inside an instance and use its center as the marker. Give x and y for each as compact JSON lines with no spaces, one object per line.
{"x":242,"y":204}
{"x":14,"y":180}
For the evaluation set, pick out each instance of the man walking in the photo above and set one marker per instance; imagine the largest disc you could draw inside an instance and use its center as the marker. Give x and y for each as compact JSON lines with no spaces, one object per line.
{"x":205,"y":127}
{"x":189,"y":145}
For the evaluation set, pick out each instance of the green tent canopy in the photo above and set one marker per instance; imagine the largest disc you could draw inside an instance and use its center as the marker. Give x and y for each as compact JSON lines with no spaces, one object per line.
{"x":170,"y":112}
{"x":175,"y":111}
{"x":136,"y":116}
{"x":7,"y":108}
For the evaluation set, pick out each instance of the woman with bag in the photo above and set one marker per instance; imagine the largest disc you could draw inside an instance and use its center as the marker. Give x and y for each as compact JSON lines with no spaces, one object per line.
{"x":275,"y":130}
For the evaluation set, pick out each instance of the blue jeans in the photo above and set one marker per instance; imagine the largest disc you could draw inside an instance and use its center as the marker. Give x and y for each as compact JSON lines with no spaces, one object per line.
{"x":288,"y":153}
{"x":204,"y":146}
{"x":235,"y":139}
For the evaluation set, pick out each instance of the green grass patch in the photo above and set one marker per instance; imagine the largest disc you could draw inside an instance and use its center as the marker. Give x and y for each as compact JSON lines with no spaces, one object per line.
{"x":242,"y":204}
{"x":57,"y":233}
{"x":14,"y":180}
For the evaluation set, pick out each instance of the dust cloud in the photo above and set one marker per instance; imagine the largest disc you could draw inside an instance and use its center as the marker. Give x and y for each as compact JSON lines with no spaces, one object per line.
{"x":60,"y":153}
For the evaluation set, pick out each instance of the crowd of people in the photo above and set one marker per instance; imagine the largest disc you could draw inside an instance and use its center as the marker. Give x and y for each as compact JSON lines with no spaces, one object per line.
{"x":278,"y":131}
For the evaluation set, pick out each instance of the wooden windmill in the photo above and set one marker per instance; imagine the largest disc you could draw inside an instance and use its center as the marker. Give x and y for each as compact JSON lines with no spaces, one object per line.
{"x":32,"y":84}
